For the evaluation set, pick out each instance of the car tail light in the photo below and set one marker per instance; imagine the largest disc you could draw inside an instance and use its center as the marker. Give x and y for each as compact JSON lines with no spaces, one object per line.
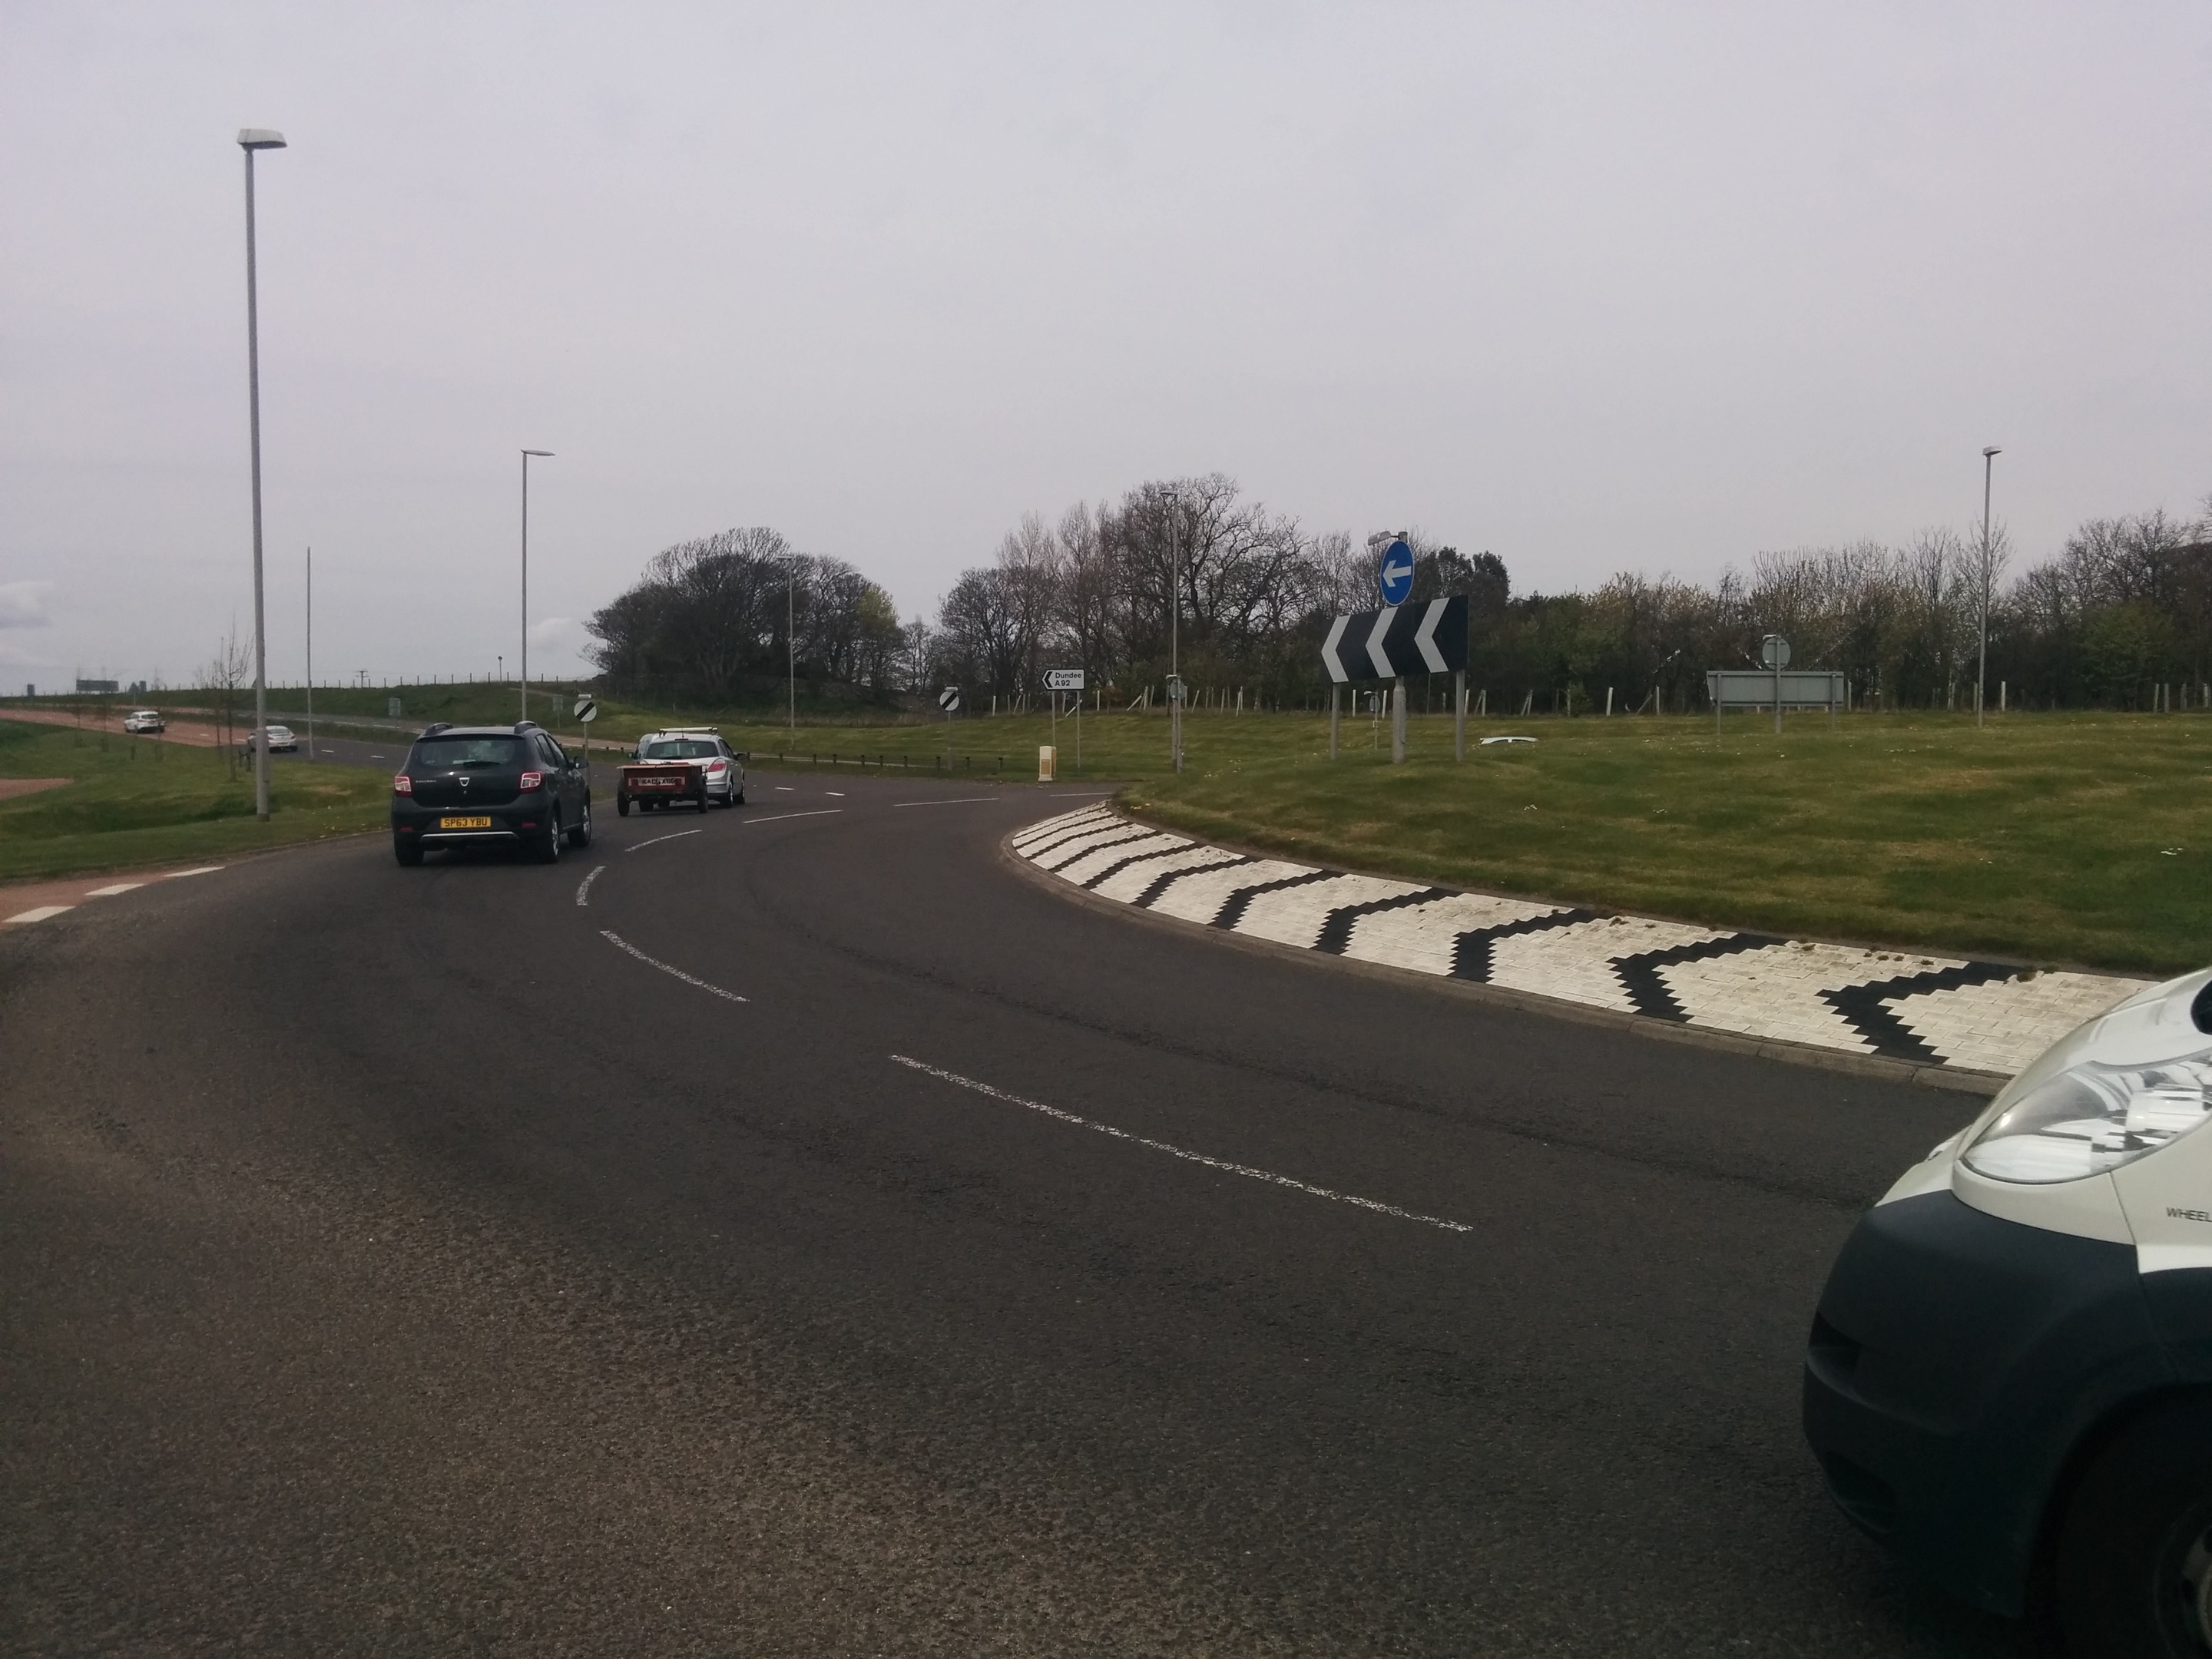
{"x":718,"y":767}
{"x":531,"y":781}
{"x":403,"y":785}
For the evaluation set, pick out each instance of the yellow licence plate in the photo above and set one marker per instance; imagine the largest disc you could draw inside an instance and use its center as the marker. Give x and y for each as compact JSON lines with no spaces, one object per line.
{"x":465,"y":823}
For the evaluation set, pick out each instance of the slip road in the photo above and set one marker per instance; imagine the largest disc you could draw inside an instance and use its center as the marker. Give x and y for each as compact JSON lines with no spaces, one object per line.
{"x":813,"y":1236}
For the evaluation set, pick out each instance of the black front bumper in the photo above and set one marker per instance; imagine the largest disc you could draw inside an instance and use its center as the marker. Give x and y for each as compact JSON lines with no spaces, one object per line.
{"x":1955,"y":1362}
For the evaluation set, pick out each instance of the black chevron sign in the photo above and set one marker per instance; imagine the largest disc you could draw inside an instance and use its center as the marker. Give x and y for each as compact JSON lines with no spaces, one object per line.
{"x":1427,"y":638}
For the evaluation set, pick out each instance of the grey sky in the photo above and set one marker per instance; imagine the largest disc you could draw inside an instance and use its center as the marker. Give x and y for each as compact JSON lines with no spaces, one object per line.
{"x":1593,"y":286}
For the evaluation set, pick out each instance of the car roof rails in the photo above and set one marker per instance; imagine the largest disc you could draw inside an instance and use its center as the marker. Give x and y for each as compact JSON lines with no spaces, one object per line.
{"x":436,"y":726}
{"x":520,"y":727}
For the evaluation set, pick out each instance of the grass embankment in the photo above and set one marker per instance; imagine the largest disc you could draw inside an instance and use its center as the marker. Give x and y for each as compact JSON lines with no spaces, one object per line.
{"x":138,"y":801}
{"x":2055,"y":838}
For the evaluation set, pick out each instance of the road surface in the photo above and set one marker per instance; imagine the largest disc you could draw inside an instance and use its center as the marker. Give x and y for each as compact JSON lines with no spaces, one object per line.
{"x":794,"y":1230}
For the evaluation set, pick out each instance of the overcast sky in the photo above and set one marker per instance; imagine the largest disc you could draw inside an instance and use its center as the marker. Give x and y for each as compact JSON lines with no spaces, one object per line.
{"x":1594,"y":288}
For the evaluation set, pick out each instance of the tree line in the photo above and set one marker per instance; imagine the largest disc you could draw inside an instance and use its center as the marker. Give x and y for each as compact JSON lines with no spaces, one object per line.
{"x":1241,"y":596}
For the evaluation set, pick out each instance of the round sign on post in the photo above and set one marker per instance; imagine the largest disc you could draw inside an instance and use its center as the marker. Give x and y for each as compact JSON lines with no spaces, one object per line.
{"x":1394,"y":574}
{"x":949,"y":699}
{"x":1774,"y":651}
{"x":587,"y":709}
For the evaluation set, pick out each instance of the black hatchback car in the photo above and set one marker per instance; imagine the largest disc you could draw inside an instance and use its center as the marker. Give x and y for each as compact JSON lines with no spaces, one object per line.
{"x":489,"y":786}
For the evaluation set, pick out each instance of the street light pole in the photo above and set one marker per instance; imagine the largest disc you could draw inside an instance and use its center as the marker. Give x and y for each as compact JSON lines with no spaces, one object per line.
{"x":791,"y":644}
{"x":249,"y":140}
{"x":311,"y":656}
{"x":1174,"y":637}
{"x":545,"y":454}
{"x":1982,"y":660}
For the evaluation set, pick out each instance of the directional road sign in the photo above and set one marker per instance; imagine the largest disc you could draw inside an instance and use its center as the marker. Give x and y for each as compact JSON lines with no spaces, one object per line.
{"x":1063,"y":680}
{"x":1394,"y":574}
{"x":586,"y":710}
{"x":949,"y":699}
{"x":1410,"y":639}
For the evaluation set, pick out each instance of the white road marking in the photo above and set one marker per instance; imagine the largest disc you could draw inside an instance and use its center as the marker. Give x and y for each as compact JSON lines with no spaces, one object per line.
{"x":656,"y":840}
{"x":203,"y":870}
{"x":38,"y":914}
{"x":118,"y":887}
{"x":786,"y":789}
{"x":1223,"y":1164}
{"x":621,"y":944}
{"x":1081,"y":794}
{"x":586,"y":886}
{"x":834,"y":794}
{"x":778,"y":817}
{"x":964,"y":800}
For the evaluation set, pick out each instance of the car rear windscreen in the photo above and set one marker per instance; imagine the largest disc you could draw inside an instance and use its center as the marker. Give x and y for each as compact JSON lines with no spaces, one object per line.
{"x":681,"y":749}
{"x":446,"y":754}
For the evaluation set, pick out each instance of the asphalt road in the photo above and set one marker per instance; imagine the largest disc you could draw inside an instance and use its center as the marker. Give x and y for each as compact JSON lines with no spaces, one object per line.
{"x":447,"y":1260}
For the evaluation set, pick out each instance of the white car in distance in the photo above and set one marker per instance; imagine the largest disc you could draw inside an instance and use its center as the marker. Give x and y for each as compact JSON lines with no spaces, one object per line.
{"x":144,"y":720}
{"x":280,"y":741}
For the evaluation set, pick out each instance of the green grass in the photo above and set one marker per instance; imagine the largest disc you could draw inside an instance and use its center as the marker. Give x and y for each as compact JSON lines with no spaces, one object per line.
{"x":135,"y":801}
{"x":2081,"y":839}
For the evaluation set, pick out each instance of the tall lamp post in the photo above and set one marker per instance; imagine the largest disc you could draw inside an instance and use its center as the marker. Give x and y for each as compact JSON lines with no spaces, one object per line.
{"x":543,"y":454}
{"x":791,"y":642}
{"x":311,"y":656}
{"x":249,"y":140}
{"x":1982,"y":660}
{"x":1174,"y":637}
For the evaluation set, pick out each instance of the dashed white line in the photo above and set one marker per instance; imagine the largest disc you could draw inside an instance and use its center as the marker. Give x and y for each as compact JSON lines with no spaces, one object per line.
{"x":778,"y":817}
{"x":834,"y":794}
{"x":585,"y":887}
{"x":656,"y":840}
{"x":964,"y":800}
{"x":38,"y":914}
{"x":786,"y":789}
{"x":112,"y":889}
{"x":621,"y":944}
{"x":1223,"y":1164}
{"x":201,"y":870}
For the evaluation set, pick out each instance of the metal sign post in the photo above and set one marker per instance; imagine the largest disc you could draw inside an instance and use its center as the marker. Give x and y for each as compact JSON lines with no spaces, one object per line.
{"x":1398,"y":721}
{"x":1334,"y":693}
{"x":1774,"y":652}
{"x":949,"y":700}
{"x":1058,"y":680}
{"x":1459,"y":715}
{"x":588,"y":710}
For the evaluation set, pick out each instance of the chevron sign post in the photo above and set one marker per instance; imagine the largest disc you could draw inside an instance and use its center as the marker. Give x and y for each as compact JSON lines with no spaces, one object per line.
{"x":1391,"y":643}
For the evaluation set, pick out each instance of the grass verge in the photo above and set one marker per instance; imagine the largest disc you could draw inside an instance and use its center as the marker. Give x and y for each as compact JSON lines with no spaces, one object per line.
{"x":135,"y":801}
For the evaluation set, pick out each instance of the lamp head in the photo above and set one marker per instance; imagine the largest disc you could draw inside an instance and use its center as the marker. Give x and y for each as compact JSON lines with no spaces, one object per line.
{"x":1992,"y":451}
{"x":259,"y":138}
{"x":546,"y":454}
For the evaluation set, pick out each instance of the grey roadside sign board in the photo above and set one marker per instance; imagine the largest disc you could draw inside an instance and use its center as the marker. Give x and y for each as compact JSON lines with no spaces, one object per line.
{"x":1759,"y":688}
{"x":1063,"y":680}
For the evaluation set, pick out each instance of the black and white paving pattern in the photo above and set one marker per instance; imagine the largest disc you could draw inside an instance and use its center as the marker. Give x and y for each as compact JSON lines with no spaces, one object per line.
{"x":1930,"y":1011}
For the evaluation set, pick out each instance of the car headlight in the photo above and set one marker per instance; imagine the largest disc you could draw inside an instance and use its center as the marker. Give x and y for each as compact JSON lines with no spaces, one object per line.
{"x":2092,"y":1118}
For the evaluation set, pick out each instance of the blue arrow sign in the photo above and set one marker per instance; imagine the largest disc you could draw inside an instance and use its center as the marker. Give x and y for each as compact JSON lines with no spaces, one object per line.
{"x":1396,"y":574}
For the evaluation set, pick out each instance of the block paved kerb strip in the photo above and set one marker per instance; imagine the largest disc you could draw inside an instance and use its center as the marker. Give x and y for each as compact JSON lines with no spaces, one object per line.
{"x":1940,"y":1013}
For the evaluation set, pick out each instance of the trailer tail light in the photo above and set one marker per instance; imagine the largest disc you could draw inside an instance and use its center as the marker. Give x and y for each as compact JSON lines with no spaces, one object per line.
{"x":402,"y":784}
